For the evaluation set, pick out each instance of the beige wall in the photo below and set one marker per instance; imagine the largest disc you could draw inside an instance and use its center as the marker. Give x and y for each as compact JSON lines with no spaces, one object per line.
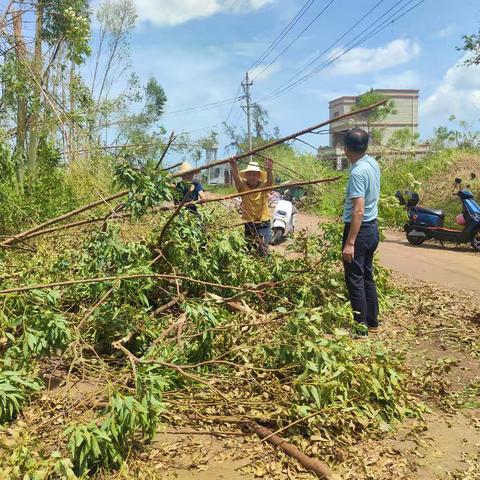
{"x":406,"y":104}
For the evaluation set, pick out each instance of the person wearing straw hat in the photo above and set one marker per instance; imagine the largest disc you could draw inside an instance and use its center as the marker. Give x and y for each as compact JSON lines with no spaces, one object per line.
{"x":255,"y":206}
{"x":188,"y":187}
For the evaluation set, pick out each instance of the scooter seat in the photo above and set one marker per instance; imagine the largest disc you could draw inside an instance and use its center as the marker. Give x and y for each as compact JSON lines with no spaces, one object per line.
{"x":431,"y":211}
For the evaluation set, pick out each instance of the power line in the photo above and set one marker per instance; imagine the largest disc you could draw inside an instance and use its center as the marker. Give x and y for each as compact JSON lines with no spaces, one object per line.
{"x":284,"y":32}
{"x":286,"y":85}
{"x":207,"y":106}
{"x":336,"y":56}
{"x":294,"y":40}
{"x":333,"y":44}
{"x":233,"y":104}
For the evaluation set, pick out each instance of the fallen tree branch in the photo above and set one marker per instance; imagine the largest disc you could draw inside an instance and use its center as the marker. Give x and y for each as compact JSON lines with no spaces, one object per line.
{"x":167,"y":306}
{"x":65,"y":216}
{"x":172,"y":217}
{"x":169,"y":144}
{"x":279,"y":141}
{"x":81,"y":281}
{"x":177,"y":368}
{"x":311,"y":464}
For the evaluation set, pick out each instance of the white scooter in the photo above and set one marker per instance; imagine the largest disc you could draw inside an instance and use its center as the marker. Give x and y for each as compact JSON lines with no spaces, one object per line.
{"x":283,"y":223}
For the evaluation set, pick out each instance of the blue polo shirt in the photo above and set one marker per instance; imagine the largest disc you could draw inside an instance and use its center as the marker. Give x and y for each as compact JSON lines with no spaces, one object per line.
{"x":364,"y":181}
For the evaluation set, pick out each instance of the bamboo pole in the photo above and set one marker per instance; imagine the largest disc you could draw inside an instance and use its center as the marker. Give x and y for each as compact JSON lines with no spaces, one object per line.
{"x":255,"y":151}
{"x":65,"y":216}
{"x":279,"y":141}
{"x":120,"y":216}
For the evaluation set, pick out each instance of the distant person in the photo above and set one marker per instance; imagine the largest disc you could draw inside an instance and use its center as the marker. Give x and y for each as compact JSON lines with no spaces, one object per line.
{"x":255,"y":206}
{"x":360,"y":236}
{"x":188,"y":187}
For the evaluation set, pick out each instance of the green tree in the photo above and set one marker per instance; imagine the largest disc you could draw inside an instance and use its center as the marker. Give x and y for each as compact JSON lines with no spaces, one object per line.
{"x":373,"y":119}
{"x":471,"y":44}
{"x":403,"y":139}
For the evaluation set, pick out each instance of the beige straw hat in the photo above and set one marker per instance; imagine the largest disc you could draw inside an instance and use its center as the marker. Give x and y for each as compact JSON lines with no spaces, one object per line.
{"x":254,"y":167}
{"x":185,"y":167}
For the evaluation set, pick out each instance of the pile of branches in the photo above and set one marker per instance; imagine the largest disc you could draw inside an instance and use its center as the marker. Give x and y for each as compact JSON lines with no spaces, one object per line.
{"x":167,"y":316}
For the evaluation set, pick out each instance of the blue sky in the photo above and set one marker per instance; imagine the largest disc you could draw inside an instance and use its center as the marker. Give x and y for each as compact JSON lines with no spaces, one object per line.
{"x":199,"y":51}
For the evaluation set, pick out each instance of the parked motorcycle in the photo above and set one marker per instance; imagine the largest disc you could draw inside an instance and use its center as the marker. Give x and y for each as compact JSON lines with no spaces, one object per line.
{"x":283,"y":223}
{"x":427,"y":223}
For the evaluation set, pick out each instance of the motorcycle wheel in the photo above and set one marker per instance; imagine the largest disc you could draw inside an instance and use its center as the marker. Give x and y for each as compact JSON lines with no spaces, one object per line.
{"x":476,"y":242}
{"x":414,"y":240}
{"x":277,"y":234}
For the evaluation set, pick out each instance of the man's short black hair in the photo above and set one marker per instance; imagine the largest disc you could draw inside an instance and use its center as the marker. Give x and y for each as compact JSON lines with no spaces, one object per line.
{"x":356,"y":140}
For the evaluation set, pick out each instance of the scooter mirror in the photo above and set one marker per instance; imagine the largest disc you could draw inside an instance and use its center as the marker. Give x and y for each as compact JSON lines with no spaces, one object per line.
{"x":400,"y":198}
{"x":458,"y":181}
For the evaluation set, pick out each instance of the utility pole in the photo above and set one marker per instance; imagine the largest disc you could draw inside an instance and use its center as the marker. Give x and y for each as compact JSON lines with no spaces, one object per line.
{"x":247,"y":109}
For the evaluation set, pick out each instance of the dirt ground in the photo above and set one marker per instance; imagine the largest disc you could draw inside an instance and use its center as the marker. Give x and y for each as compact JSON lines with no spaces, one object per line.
{"x":439,"y":337}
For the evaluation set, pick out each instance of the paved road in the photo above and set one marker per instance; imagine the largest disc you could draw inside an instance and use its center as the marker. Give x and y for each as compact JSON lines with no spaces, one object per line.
{"x":455,"y":267}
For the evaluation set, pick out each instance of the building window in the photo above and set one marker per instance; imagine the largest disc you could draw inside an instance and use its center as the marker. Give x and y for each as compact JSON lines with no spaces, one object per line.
{"x":336,"y":114}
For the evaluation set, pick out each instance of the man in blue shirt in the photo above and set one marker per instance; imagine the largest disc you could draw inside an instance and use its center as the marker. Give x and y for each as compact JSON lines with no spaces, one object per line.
{"x":360,"y":236}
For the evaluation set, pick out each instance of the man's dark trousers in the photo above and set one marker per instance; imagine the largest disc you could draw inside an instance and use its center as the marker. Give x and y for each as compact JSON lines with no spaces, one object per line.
{"x":359,"y":274}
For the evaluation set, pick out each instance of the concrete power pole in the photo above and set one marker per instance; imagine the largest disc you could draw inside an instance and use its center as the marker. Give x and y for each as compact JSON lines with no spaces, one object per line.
{"x":247,"y":109}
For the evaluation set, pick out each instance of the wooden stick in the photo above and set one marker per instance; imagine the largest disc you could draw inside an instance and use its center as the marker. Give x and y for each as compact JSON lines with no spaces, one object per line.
{"x":312,"y":464}
{"x":264,"y":189}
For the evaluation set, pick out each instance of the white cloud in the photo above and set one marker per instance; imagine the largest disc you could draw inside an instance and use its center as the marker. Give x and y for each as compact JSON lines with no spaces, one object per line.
{"x":458,"y":94}
{"x":405,"y":79}
{"x":445,"y":32}
{"x":175,"y":12}
{"x":369,"y":60}
{"x":264,"y":71}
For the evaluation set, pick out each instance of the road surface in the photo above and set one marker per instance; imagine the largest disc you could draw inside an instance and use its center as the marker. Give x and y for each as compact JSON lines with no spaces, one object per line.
{"x":454,"y":267}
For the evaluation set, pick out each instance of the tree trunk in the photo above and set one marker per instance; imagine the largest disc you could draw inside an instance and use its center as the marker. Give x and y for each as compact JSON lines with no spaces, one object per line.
{"x":37,"y":69}
{"x":21,"y":56}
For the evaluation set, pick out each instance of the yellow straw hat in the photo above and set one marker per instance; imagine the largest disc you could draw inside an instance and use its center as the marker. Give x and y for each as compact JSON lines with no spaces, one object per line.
{"x":254,"y":167}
